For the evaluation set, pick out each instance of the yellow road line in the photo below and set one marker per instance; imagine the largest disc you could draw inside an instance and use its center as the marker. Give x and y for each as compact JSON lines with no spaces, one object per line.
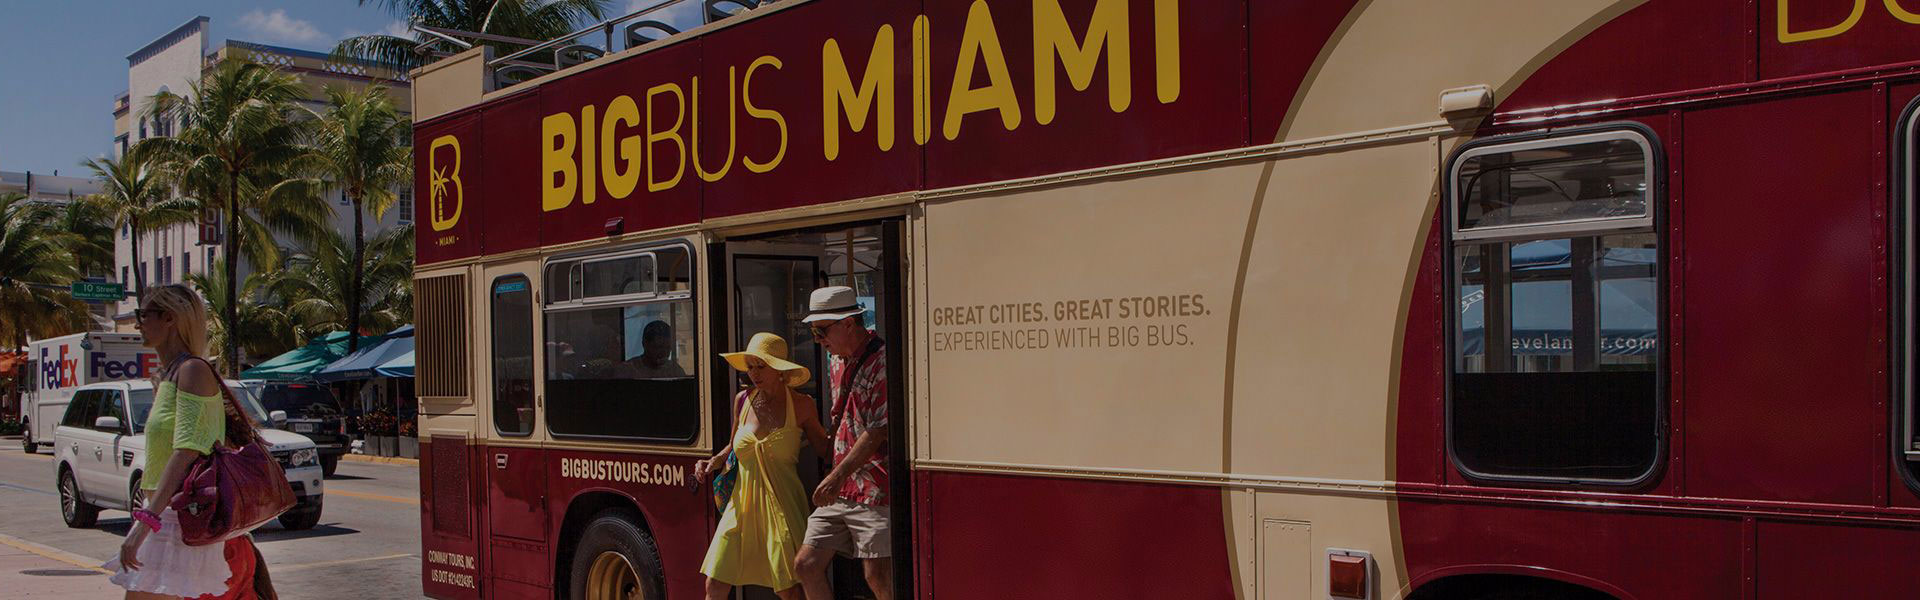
{"x":304,"y":566}
{"x":53,"y":553}
{"x":366,"y":496}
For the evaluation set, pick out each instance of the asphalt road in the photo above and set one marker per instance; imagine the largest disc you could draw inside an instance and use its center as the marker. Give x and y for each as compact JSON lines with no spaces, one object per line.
{"x":366,"y":546}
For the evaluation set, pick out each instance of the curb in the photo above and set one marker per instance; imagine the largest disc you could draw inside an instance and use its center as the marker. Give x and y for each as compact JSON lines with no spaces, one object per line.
{"x":385,"y":460}
{"x":52,"y":553}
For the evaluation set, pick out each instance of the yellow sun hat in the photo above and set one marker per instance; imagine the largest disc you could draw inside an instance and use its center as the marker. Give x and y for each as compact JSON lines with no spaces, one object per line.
{"x":773,"y":350}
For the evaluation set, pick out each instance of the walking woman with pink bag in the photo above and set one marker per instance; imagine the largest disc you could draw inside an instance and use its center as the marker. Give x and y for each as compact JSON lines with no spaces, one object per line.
{"x":190,"y":417}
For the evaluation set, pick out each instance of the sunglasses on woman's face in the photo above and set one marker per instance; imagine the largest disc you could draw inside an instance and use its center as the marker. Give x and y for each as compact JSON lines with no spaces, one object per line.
{"x":142,"y":314}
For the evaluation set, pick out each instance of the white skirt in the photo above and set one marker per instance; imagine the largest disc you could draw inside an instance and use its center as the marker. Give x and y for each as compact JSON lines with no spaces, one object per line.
{"x":169,"y":566}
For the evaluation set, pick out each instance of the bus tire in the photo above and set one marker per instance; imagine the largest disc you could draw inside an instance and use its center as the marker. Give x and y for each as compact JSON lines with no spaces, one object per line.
{"x":27,"y":444}
{"x":616,"y":559}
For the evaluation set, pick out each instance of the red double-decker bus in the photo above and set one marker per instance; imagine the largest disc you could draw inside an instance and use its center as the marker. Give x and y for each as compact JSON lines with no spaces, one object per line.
{"x":1197,"y":298}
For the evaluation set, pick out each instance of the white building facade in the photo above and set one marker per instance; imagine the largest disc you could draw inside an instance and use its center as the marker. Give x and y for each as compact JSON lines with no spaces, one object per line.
{"x":171,"y":63}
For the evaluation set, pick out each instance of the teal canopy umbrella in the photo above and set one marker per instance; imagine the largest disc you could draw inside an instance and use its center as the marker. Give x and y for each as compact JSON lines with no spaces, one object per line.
{"x":400,"y":366}
{"x":301,"y":363}
{"x":363,"y":364}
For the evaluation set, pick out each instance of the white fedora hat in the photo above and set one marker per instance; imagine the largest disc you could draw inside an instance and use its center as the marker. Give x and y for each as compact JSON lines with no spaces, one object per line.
{"x":832,"y":303}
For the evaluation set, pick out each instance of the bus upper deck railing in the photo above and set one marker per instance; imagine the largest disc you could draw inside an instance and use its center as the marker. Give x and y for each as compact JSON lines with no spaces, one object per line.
{"x":567,"y":50}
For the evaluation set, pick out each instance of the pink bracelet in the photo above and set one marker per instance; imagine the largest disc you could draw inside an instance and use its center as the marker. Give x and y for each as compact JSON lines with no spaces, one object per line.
{"x":151,"y":520}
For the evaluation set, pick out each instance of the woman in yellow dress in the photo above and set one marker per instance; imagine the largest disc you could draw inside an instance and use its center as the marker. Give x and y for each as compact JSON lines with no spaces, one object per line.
{"x":761,"y":528}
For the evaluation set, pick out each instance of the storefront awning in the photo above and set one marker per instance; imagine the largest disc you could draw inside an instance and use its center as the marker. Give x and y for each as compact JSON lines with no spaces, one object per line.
{"x":365,"y":363}
{"x":301,"y":363}
{"x":400,"y":366}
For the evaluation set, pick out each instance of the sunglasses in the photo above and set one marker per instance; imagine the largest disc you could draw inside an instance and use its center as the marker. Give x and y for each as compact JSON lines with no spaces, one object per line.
{"x":142,"y":314}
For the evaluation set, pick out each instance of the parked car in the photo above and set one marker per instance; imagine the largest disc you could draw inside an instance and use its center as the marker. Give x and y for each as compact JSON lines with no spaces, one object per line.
{"x":311,"y":411}
{"x":99,"y":453}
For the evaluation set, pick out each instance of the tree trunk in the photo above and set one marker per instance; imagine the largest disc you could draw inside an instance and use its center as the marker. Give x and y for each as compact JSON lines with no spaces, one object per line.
{"x":139,"y":270}
{"x":230,"y":355}
{"x":353,"y":288}
{"x":20,"y":373}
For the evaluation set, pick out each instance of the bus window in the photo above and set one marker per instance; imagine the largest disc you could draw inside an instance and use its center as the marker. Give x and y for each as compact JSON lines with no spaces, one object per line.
{"x":512,"y":355}
{"x":621,"y":359}
{"x":1556,"y":326}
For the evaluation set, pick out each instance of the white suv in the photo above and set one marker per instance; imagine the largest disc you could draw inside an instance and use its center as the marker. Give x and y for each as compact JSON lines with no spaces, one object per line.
{"x":99,"y":454}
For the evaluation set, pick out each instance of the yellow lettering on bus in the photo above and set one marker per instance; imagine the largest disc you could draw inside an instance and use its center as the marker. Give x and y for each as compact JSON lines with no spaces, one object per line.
{"x":615,"y":150}
{"x":1900,"y":12}
{"x":980,"y":42}
{"x":837,"y":91}
{"x":746,"y":99}
{"x":672,"y":134}
{"x":589,"y":182}
{"x":922,"y":86}
{"x":733,"y":124}
{"x":1052,"y":38}
{"x":438,"y":188}
{"x":556,"y":158}
{"x":1789,"y":37}
{"x":1166,"y":50}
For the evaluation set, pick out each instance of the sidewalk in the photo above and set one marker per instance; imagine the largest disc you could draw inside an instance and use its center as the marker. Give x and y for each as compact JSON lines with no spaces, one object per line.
{"x":389,"y":460}
{"x":30,"y":570}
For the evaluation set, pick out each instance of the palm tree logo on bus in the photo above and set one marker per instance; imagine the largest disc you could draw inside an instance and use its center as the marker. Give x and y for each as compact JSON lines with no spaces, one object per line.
{"x":445,"y":172}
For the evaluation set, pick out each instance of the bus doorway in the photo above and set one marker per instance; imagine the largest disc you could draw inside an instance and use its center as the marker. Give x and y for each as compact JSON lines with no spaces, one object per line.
{"x":767,"y":280}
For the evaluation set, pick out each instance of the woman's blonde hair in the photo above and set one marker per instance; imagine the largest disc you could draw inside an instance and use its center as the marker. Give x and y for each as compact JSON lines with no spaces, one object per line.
{"x":189,"y":313}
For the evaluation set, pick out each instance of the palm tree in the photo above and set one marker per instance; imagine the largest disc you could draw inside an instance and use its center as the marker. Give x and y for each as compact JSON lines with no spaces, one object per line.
{"x":362,"y":147}
{"x":135,"y":196}
{"x":89,"y":236}
{"x":319,"y":297}
{"x":34,"y":265}
{"x":265,"y":327}
{"x":240,"y":131}
{"x":525,"y":19}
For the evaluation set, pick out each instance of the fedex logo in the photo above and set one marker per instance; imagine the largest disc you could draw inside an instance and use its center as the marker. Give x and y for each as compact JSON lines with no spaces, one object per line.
{"x":60,"y":367}
{"x":102,"y":368}
{"x":58,"y":371}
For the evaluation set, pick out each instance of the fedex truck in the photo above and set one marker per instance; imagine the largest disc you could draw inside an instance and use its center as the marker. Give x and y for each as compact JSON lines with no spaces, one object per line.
{"x":56,"y":366}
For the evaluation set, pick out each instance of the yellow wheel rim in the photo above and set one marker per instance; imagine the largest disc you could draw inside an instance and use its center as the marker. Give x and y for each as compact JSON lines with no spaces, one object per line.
{"x":612,"y":578}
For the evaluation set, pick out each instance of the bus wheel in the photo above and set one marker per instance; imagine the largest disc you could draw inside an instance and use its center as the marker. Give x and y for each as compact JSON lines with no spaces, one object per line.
{"x":27,"y":444}
{"x":616,"y":560}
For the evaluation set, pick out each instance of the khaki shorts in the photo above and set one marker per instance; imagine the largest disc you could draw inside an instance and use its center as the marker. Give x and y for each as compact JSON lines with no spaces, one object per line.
{"x":851,"y":529}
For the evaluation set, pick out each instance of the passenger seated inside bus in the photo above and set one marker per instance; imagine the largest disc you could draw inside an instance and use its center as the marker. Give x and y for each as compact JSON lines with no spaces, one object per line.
{"x":617,"y":372}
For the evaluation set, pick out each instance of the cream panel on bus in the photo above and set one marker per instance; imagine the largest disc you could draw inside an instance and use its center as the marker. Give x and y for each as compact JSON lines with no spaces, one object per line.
{"x":1389,"y":61}
{"x":1327,"y":277}
{"x":1083,"y":326}
{"x":1293,"y":532}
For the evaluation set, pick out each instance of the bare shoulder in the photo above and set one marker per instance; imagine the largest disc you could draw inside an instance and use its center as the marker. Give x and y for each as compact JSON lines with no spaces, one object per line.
{"x":805,"y":407}
{"x":196,"y":377}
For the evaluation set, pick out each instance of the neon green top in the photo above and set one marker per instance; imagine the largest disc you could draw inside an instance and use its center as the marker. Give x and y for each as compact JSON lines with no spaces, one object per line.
{"x":180,"y":421}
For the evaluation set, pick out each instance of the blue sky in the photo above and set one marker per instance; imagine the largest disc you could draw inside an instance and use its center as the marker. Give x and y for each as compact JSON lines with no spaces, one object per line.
{"x":64,"y":61}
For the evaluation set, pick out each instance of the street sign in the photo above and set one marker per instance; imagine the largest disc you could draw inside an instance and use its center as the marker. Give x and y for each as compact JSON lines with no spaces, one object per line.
{"x":89,"y":290}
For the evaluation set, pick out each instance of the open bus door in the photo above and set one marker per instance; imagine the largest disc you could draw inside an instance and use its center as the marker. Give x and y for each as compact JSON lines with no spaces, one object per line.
{"x":767,"y":281}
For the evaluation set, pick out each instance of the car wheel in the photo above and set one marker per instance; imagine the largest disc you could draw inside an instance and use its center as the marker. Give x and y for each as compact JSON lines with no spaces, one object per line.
{"x":616,"y":560}
{"x":301,"y":517}
{"x":27,"y":444}
{"x":329,"y":464}
{"x":133,"y":493}
{"x":73,"y":509}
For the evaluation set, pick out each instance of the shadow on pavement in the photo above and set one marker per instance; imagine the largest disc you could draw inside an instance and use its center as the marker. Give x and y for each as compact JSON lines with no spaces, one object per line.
{"x":344,"y":477}
{"x":272,"y":533}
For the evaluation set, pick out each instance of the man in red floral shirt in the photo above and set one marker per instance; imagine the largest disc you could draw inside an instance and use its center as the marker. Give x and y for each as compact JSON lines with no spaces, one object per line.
{"x":852,"y":518}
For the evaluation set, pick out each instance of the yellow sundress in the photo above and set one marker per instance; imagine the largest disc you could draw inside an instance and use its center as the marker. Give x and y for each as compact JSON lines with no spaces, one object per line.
{"x":762,"y":526}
